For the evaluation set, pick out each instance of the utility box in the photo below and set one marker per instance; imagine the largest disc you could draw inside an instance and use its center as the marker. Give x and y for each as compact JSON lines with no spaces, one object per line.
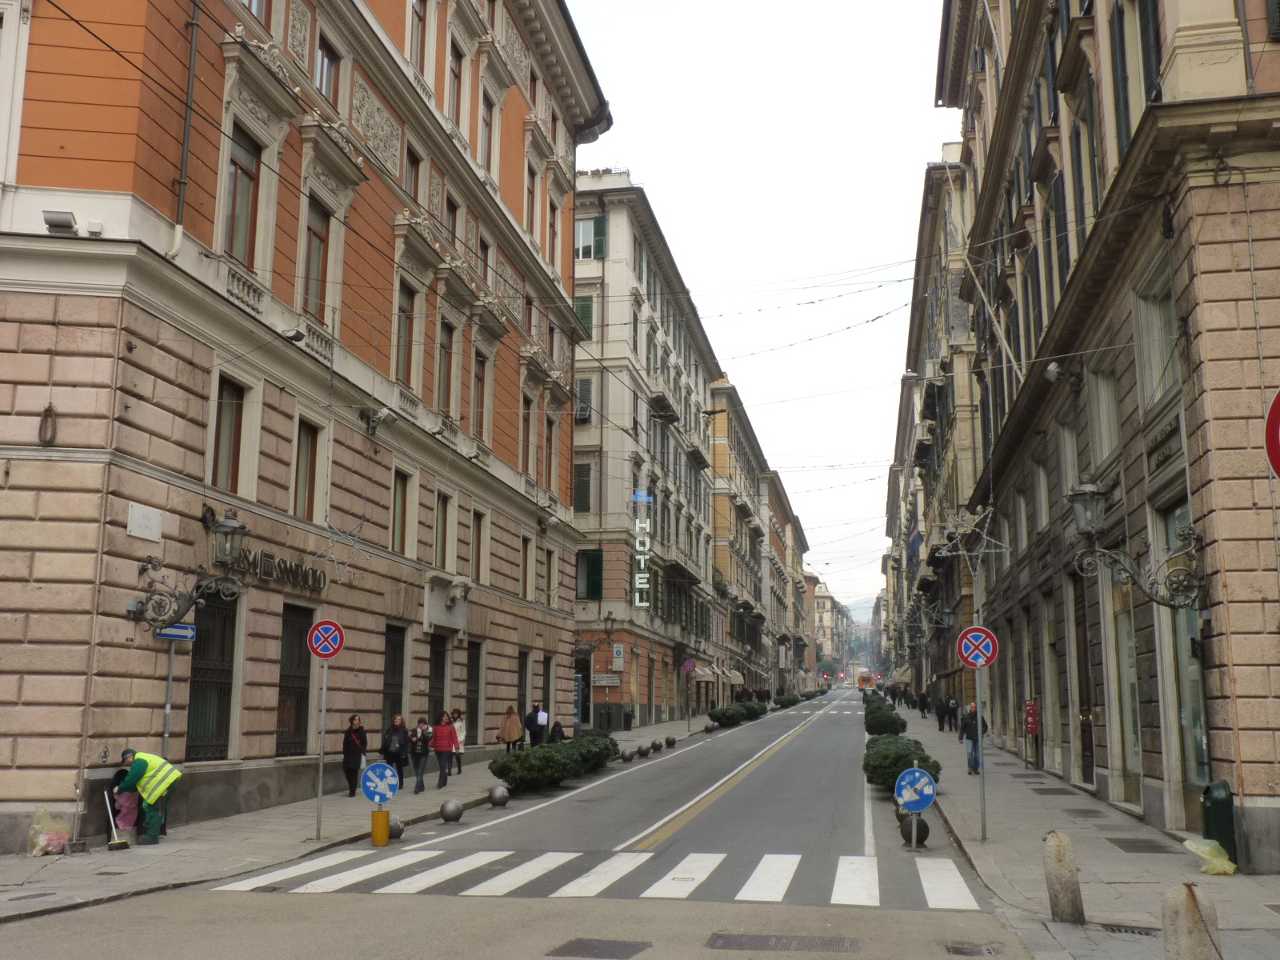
{"x":1218,"y":809}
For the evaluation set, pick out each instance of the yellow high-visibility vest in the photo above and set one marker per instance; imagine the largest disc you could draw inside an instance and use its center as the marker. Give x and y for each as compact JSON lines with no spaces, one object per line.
{"x":160,"y":776}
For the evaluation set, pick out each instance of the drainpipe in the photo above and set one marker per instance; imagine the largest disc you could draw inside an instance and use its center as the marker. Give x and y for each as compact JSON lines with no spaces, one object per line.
{"x":1243,"y":17}
{"x":185,"y":163}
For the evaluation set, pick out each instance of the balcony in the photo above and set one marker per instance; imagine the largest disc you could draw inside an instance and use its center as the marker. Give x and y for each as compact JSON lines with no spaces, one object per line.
{"x":243,"y":287}
{"x":560,"y":382}
{"x":662,"y":401}
{"x":537,"y":133}
{"x":463,"y":286}
{"x":536,"y":360}
{"x":421,"y":239}
{"x":698,"y":457}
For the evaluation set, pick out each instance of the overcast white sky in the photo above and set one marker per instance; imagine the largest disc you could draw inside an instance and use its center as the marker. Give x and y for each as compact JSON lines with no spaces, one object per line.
{"x":783,"y":148}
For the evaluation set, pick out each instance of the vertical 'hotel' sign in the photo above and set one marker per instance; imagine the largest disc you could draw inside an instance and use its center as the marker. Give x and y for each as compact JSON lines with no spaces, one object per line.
{"x":640,"y":584}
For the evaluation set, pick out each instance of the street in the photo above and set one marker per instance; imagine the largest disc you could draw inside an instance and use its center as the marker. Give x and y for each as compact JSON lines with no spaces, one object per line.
{"x":765,"y":827}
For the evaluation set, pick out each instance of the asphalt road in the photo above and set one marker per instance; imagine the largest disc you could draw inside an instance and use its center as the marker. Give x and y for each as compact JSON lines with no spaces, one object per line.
{"x":761,"y":831}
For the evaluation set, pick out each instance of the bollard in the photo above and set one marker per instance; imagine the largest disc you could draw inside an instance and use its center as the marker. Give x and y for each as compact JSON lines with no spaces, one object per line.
{"x":1190,"y":925}
{"x":1062,"y":879}
{"x":380,"y":832}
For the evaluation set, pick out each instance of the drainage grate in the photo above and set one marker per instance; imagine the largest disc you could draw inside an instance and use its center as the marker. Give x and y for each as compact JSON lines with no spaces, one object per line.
{"x":1085,"y":813}
{"x":1054,"y":791}
{"x":1130,"y":931}
{"x":972,"y":949}
{"x":1141,"y":845}
{"x":31,"y":896}
{"x":781,"y":943}
{"x":585,"y":948}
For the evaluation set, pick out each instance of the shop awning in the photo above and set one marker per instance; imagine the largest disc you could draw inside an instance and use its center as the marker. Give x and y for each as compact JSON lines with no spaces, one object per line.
{"x":902,"y":674}
{"x":736,"y":677}
{"x":701,"y":674}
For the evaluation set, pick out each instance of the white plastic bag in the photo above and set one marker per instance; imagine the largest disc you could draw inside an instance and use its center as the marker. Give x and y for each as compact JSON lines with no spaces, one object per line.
{"x":49,"y":834}
{"x":1214,"y":859}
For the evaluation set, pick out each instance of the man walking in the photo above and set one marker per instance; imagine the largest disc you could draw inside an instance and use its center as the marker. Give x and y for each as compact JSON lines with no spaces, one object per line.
{"x":969,"y":732}
{"x":940,"y":711}
{"x":151,"y":777}
{"x":531,"y":724}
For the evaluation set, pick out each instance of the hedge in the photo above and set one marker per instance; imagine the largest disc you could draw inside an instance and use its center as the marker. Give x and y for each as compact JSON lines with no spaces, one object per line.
{"x":787,"y":700}
{"x":550,"y":764}
{"x":887,"y":755}
{"x":880,"y":718}
{"x":729,"y":716}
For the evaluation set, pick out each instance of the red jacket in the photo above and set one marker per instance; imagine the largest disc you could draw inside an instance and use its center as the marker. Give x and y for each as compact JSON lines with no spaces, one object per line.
{"x":444,"y":738}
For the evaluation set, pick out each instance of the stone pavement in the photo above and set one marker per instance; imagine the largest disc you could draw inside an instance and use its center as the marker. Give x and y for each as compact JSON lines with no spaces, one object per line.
{"x":1120,"y":888}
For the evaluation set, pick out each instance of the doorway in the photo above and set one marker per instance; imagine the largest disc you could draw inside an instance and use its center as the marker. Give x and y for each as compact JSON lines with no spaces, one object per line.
{"x":295,"y":683}
{"x":1084,"y":678}
{"x":212,"y":669}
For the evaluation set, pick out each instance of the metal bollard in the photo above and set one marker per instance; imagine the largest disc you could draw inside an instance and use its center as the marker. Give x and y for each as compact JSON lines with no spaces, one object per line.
{"x":1062,"y":879}
{"x":1190,"y":925}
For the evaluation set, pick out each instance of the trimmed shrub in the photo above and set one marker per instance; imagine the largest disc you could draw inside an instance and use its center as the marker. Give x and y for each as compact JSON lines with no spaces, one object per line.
{"x":887,"y":755}
{"x":754,"y":709}
{"x":729,"y":716}
{"x":787,"y":700}
{"x":880,"y":718}
{"x":551,"y":764}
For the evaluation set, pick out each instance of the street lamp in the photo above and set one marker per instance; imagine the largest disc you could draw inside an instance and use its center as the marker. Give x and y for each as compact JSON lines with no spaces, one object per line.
{"x":1176,"y":582}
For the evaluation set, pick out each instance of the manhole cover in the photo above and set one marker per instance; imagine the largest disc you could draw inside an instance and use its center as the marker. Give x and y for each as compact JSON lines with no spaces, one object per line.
{"x":1086,"y":813}
{"x":31,"y":896}
{"x":1054,"y":791}
{"x":1131,"y":931}
{"x":585,"y":948}
{"x":1141,"y":845}
{"x":781,"y":943}
{"x":971,"y":949}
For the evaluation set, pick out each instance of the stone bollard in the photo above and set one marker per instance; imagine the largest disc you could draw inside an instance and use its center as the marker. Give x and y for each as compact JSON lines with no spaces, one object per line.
{"x":1190,"y":925}
{"x":1062,"y":879}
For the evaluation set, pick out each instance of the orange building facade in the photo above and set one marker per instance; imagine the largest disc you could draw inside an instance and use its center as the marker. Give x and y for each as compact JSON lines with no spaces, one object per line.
{"x":302,"y":271}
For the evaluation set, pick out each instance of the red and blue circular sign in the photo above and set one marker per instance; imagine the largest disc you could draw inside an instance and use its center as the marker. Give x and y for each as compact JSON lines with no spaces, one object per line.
{"x":977,"y":647}
{"x":325,"y":638}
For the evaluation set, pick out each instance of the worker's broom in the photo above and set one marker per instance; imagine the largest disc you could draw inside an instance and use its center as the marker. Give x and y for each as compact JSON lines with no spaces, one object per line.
{"x":116,"y":843}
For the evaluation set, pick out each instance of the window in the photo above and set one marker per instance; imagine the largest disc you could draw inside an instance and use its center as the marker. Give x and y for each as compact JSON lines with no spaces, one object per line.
{"x":212,"y":671}
{"x":555,"y":130}
{"x":444,"y":555}
{"x":451,"y":217}
{"x":1069,"y":459}
{"x":327,"y":70}
{"x":526,"y":568}
{"x":1158,"y":336}
{"x":553,"y":232}
{"x":242,"y":196}
{"x":294,"y":683}
{"x":392,"y":673}
{"x":590,"y":575}
{"x":226,"y":441}
{"x":583,"y":307}
{"x":584,"y":239}
{"x":582,"y":488}
{"x":533,"y":89}
{"x":479,"y":547}
{"x":1120,"y":77}
{"x":530,"y":197}
{"x":479,"y":395}
{"x":486,"y":133}
{"x":412,"y":173}
{"x":418,"y":38}
{"x":582,"y":404}
{"x":635,"y":331}
{"x":399,"y":512}
{"x":1041,"y":476}
{"x":549,"y":573}
{"x":526,"y":433}
{"x":1104,"y":416}
{"x":304,"y":471}
{"x":436,"y":675}
{"x":528,"y":314}
{"x":486,"y":261}
{"x":455,"y":84}
{"x":491,"y":18}
{"x":549,"y":459}
{"x":1149,"y":34}
{"x":444,"y":370}
{"x":404,"y":335}
{"x":1020,"y":518}
{"x":317,"y":260}
{"x":259,"y":8}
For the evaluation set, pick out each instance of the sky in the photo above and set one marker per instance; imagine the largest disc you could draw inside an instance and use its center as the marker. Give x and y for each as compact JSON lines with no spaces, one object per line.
{"x":783,"y":148}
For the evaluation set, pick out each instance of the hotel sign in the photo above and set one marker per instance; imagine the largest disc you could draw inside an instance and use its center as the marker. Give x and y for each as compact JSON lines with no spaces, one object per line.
{"x":643,"y":546}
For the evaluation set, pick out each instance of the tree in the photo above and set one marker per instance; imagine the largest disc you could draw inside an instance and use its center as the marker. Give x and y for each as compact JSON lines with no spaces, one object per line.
{"x":828,"y":667}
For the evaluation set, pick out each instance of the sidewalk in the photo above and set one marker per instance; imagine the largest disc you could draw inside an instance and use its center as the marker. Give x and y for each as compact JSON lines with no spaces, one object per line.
{"x":1119,"y":887}
{"x":213,"y":849}
{"x":680,"y":729}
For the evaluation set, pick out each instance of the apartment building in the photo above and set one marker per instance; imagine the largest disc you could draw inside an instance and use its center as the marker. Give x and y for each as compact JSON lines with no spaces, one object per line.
{"x":646,"y":608}
{"x":785,"y":624}
{"x":1119,"y":162}
{"x":936,"y":457}
{"x":287,"y":335}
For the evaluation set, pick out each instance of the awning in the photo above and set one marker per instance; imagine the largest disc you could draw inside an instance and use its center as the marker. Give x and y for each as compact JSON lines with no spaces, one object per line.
{"x":721,"y":671}
{"x":701,"y":674}
{"x":736,"y":677}
{"x":902,"y":674}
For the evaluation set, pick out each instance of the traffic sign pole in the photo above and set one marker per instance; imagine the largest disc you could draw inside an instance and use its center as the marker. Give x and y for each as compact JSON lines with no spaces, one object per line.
{"x":978,"y":648}
{"x":982,"y":769}
{"x":324,"y":691}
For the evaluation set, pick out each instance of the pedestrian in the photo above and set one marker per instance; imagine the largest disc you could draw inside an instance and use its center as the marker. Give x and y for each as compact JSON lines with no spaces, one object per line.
{"x":953,"y":714}
{"x":542,"y":724}
{"x":531,"y":724}
{"x":922,"y":700}
{"x":557,"y":733}
{"x":395,"y":745}
{"x":459,"y":728}
{"x":420,"y":751}
{"x":444,"y":740}
{"x":940,"y":711}
{"x":511,"y":732}
{"x":355,"y":745}
{"x":151,"y":777}
{"x":969,"y":733}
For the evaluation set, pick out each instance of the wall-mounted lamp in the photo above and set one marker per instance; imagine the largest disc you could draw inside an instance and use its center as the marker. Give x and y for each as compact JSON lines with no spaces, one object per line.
{"x":163,"y":605}
{"x":60,"y":223}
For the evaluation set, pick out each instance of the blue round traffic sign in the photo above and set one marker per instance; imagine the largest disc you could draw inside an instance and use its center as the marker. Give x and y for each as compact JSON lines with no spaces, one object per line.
{"x":379,"y":782}
{"x":977,"y":647}
{"x":326,"y":638}
{"x":916,"y":790}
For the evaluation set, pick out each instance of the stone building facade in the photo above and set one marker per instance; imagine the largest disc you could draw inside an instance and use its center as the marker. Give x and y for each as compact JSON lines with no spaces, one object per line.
{"x":1118,"y":275}
{"x":337,"y":308}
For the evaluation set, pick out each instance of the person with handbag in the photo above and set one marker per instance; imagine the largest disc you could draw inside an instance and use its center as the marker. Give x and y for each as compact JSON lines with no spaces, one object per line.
{"x":355,"y":744}
{"x":444,"y":740}
{"x":512,"y":730}
{"x":395,"y":745}
{"x":420,"y":751}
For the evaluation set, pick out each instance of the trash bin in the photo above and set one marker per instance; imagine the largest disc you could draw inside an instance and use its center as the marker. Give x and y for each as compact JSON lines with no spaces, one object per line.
{"x":626,"y":720}
{"x":1218,"y":810}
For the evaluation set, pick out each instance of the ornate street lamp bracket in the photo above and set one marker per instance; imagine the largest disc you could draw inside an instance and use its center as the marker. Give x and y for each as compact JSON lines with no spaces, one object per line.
{"x":1177,"y":582}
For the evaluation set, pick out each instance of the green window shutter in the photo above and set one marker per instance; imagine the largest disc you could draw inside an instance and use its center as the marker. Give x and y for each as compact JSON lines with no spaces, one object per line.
{"x":1120,"y":78}
{"x":582,"y":408}
{"x":1152,"y":53}
{"x":599,"y":247}
{"x":590,"y":575}
{"x":582,"y":488}
{"x":583,"y":307}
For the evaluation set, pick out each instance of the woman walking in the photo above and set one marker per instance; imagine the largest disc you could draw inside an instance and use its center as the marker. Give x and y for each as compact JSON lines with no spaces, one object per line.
{"x":512,"y":730}
{"x":460,"y":730}
{"x":420,"y":752}
{"x":395,"y":745}
{"x":444,"y":740}
{"x":355,"y":744}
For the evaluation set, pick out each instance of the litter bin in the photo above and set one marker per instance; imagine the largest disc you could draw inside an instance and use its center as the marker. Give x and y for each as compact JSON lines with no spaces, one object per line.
{"x":626,"y":720}
{"x":1218,"y":810}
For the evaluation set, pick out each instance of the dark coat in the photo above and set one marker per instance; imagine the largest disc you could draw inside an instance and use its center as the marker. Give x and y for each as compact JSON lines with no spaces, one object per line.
{"x":420,"y":742}
{"x":355,"y":744}
{"x":969,"y":727}
{"x":395,"y":743}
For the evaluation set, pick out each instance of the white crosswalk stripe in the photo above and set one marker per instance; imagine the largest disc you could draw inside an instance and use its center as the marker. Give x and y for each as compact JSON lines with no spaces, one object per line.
{"x":769,"y":881}
{"x":686,"y":876}
{"x":296,"y":870}
{"x":517,"y":877}
{"x":438,"y":875}
{"x":351,"y":877}
{"x":944,"y":888}
{"x":857,"y":882}
{"x":594,"y":881}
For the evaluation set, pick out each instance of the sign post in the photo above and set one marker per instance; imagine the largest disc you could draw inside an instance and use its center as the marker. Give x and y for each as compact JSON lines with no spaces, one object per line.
{"x":915,"y":791}
{"x":978,"y":648}
{"x":325,"y":640}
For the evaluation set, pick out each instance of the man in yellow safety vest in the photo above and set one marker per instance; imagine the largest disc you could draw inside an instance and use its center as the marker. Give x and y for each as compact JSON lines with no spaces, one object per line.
{"x":151,"y":777}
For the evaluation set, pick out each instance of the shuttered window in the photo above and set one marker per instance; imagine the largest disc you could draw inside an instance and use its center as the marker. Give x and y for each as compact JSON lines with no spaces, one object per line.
{"x":590,"y":574}
{"x":582,"y":488}
{"x":582,"y":404}
{"x":584,"y":308}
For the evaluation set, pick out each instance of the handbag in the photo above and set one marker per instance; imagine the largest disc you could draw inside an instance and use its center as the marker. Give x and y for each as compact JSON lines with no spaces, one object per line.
{"x":364,"y":760}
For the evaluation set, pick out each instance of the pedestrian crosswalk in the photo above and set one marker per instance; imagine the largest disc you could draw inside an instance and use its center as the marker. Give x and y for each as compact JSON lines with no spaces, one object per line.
{"x":933,"y":882}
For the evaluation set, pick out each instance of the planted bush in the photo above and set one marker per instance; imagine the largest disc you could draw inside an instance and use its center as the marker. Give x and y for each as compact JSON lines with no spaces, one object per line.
{"x":787,"y":700}
{"x":729,"y":716}
{"x":887,"y":755}
{"x":754,"y":709}
{"x":551,"y":764}
{"x":880,"y":718}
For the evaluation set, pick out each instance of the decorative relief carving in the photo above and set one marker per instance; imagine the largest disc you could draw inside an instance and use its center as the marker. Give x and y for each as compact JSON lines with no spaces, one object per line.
{"x":435,"y":198}
{"x":255,"y":107}
{"x":513,"y":46}
{"x":380,"y":129}
{"x":299,"y":31}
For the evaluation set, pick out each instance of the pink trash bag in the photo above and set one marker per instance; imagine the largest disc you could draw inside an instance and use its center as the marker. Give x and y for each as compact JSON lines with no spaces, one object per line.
{"x":126,"y":811}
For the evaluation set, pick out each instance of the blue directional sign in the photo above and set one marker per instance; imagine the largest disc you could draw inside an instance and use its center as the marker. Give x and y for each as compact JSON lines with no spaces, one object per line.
{"x":642,"y":496}
{"x":177,"y":631}
{"x":379,"y":782}
{"x":915,"y":790}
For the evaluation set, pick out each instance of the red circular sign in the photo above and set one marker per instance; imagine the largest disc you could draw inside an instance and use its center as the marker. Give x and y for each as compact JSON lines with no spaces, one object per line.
{"x":1273,"y":435}
{"x":977,"y":647}
{"x":325,"y":638}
